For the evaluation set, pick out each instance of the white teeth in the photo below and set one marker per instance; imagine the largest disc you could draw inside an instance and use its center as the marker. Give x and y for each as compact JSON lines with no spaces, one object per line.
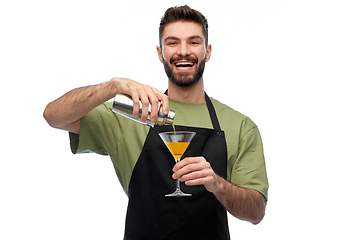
{"x":183,"y":64}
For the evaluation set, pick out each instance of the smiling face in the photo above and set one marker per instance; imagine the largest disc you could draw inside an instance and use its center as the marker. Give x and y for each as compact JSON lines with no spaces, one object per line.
{"x":184,"y":52}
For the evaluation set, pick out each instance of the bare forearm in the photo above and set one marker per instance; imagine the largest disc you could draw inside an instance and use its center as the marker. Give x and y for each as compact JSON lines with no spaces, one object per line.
{"x":65,"y":112}
{"x":75,"y":104}
{"x":245,"y":204}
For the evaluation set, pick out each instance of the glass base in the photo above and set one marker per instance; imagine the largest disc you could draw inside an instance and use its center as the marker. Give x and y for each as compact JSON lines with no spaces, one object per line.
{"x":178,"y":193}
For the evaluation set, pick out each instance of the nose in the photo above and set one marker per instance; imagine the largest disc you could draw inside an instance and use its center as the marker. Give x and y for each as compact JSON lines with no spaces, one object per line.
{"x":183,"y":49}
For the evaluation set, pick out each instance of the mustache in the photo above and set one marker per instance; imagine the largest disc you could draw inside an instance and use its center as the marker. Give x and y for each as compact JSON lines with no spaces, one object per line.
{"x":187,"y":58}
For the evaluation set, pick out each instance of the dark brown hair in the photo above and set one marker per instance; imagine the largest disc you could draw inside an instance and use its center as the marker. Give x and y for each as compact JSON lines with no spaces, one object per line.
{"x":183,"y":13}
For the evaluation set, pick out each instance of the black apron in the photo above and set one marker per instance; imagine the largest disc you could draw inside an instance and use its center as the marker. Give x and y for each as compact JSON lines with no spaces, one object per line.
{"x":151,"y":215}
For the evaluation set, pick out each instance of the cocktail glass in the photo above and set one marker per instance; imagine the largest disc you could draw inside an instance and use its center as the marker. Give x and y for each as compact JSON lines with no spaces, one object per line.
{"x":177,"y":143}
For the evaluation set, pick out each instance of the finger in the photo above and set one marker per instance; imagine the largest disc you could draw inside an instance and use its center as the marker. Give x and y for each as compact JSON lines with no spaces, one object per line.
{"x":163,"y":98}
{"x":144,"y":103}
{"x":203,"y":173}
{"x":186,"y":161}
{"x":199,"y":181}
{"x":203,"y":167}
{"x":136,"y":101}
{"x":154,"y":101}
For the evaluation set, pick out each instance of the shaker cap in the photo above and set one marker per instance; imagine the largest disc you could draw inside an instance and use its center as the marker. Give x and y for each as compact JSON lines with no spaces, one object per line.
{"x":170,"y":117}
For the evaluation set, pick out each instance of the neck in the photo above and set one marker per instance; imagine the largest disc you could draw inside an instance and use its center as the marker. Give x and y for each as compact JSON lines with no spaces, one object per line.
{"x":192,"y":94}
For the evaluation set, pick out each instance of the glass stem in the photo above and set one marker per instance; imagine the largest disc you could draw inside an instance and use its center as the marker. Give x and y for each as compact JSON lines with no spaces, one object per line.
{"x":177,"y":180}
{"x":177,"y":184}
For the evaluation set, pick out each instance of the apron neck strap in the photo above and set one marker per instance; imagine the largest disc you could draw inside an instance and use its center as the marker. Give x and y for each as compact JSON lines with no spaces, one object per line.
{"x":211,"y":110}
{"x":214,"y":119}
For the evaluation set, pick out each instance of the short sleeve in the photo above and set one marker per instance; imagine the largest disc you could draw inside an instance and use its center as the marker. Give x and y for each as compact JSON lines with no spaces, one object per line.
{"x":249,"y":170}
{"x":96,"y":132}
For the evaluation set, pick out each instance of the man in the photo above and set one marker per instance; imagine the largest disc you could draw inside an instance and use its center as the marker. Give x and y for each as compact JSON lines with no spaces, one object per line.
{"x":223,"y":168}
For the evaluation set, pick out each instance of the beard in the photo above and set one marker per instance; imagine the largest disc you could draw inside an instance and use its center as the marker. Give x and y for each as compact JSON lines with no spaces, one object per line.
{"x":184,"y":79}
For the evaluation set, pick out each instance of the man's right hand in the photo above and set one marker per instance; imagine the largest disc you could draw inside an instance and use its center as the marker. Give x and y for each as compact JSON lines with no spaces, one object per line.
{"x":65,"y":112}
{"x":146,"y":94}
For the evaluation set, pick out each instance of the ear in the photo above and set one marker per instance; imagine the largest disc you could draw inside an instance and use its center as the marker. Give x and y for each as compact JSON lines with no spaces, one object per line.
{"x":208,"y":52}
{"x":158,"y":49}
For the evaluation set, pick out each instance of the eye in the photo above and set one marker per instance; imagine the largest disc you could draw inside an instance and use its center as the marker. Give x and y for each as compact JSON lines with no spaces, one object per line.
{"x":171,"y":43}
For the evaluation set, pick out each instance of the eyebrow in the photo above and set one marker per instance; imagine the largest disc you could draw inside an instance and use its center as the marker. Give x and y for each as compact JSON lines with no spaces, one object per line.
{"x":170,"y":38}
{"x":191,"y":38}
{"x":196,"y":37}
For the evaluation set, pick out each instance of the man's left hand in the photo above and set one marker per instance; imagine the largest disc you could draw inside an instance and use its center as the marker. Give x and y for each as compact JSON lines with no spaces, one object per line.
{"x":196,"y":171}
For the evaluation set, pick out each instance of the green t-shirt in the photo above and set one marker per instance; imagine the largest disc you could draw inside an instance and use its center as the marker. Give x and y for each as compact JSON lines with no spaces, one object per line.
{"x":107,"y":133}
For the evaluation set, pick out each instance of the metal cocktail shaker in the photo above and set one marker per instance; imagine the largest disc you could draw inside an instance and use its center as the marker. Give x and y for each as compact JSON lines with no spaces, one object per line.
{"x":124,"y":106}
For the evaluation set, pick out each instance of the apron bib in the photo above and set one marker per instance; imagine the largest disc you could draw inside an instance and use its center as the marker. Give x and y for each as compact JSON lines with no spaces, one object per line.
{"x":151,"y":215}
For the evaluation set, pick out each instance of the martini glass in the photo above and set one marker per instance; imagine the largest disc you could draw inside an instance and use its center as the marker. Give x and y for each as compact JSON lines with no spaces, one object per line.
{"x":177,"y":143}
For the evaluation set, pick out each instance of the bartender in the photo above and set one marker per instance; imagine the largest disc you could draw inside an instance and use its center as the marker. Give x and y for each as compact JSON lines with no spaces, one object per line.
{"x":223,"y":168}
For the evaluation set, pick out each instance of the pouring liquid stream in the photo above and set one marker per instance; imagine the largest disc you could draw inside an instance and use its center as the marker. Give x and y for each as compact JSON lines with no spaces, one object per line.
{"x":177,"y":157}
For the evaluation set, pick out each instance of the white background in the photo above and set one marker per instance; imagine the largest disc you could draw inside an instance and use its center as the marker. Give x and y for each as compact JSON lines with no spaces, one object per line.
{"x":291,"y":66}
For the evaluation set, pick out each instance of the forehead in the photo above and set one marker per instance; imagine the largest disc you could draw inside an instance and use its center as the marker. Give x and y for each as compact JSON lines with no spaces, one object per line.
{"x":183,"y":30}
